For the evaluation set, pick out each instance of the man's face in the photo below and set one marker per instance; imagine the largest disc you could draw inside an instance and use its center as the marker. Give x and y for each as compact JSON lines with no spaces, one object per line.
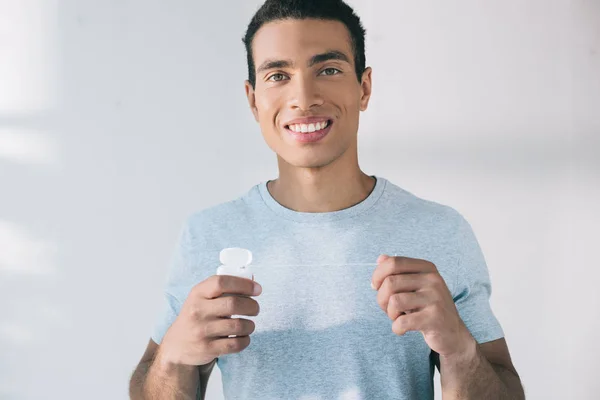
{"x":306,"y":81}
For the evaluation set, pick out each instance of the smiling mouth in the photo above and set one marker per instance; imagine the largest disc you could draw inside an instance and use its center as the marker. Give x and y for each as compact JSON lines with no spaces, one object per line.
{"x":309,"y":128}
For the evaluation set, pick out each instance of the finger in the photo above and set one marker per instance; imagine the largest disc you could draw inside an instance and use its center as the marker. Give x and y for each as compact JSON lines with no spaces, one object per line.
{"x":217,"y":285}
{"x":398,"y":265}
{"x":230,"y":345}
{"x":401,"y":303}
{"x":399,"y":284}
{"x":234,"y":305}
{"x":225,"y":327}
{"x":409,"y":322}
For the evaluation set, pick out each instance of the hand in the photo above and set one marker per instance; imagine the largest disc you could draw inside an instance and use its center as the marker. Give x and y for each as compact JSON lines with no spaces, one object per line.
{"x":416,"y":298}
{"x":201,"y":331}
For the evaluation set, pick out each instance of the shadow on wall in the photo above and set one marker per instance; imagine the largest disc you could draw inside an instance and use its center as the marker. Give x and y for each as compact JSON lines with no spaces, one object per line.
{"x":28,"y":264}
{"x":28,"y":154}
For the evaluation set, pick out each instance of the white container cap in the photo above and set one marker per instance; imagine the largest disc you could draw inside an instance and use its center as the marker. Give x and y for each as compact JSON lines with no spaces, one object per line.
{"x":236,"y":263}
{"x":235,"y":257}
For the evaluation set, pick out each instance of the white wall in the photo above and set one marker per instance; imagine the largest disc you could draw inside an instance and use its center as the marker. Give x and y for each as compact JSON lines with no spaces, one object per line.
{"x":114,"y":117}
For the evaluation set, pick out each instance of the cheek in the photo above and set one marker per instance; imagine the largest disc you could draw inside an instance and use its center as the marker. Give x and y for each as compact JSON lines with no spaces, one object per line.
{"x":267,"y":104}
{"x":267,"y":108}
{"x":345,"y":96}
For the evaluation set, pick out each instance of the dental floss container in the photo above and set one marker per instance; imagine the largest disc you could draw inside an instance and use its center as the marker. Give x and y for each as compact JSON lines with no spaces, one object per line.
{"x":236,"y":262}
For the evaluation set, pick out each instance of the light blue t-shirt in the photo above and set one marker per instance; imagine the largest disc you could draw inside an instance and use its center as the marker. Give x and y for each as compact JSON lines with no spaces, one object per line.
{"x":320,"y":333}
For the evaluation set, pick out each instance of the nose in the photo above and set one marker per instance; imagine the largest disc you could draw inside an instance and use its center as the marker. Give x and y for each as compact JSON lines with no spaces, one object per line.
{"x":304,"y":94}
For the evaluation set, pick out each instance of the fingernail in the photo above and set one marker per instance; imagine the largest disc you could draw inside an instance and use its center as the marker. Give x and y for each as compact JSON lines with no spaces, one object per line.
{"x":373,"y":286}
{"x":382,"y":258}
{"x":257,"y":289}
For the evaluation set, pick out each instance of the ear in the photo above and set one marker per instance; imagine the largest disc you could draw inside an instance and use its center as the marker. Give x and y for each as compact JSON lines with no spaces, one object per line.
{"x":365,"y":89}
{"x":251,"y":99}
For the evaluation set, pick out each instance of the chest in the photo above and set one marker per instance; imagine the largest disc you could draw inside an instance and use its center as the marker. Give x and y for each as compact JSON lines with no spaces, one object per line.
{"x":325,"y":312}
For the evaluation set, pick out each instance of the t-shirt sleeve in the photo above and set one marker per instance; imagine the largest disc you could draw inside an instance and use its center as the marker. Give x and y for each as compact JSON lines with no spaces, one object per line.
{"x":473,"y":287}
{"x":180,"y":280}
{"x":167,"y":315}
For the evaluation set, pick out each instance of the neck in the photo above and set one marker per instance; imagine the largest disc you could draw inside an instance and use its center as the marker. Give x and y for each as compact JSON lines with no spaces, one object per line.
{"x":336,"y":186}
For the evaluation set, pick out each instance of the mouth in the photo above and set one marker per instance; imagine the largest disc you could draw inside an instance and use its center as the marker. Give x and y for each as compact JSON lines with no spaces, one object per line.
{"x":309,"y":132}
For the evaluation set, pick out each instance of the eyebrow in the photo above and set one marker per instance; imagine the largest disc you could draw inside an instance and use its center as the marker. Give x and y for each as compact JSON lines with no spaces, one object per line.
{"x":316,"y":59}
{"x":328,"y":55}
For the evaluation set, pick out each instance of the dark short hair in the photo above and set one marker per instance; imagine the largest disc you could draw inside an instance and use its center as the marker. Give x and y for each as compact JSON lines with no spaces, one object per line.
{"x":333,"y":10}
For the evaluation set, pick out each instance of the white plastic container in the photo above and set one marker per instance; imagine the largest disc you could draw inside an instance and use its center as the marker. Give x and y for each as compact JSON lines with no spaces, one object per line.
{"x":236,"y":262}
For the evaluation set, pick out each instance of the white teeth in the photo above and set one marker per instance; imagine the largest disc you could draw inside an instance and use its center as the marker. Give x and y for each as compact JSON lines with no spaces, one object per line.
{"x":307,"y":128}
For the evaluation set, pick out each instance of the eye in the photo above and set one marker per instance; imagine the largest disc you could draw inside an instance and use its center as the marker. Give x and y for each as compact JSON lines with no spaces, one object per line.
{"x":330,"y":71}
{"x":277,"y":77}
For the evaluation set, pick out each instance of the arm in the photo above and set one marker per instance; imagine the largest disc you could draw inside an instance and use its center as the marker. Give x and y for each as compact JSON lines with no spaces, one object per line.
{"x":179,"y":368}
{"x":155,"y":378}
{"x":483,"y":372}
{"x":416,"y":298}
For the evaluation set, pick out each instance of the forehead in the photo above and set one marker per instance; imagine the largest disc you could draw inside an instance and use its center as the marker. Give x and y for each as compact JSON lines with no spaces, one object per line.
{"x":295,"y":39}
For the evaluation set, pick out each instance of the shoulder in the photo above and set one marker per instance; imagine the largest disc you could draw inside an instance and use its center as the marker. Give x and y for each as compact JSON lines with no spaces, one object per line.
{"x":222,"y":215}
{"x":407,"y":205}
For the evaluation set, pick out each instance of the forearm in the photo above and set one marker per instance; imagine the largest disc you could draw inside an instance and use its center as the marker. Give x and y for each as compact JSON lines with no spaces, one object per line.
{"x":472,"y":376}
{"x":158,"y":379}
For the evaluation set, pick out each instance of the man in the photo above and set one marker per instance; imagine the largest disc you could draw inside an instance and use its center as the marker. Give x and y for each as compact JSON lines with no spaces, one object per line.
{"x":363,"y":287}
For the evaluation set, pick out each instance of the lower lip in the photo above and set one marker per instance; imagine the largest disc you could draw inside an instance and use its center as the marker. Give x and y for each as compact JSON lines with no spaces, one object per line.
{"x":310,"y":137}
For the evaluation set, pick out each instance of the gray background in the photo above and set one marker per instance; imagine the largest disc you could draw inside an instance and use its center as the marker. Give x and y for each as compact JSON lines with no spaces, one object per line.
{"x":120,"y":118}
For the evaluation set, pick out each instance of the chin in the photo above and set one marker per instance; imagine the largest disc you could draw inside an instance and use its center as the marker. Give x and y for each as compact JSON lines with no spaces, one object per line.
{"x":309,"y":160}
{"x":307,"y":157}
